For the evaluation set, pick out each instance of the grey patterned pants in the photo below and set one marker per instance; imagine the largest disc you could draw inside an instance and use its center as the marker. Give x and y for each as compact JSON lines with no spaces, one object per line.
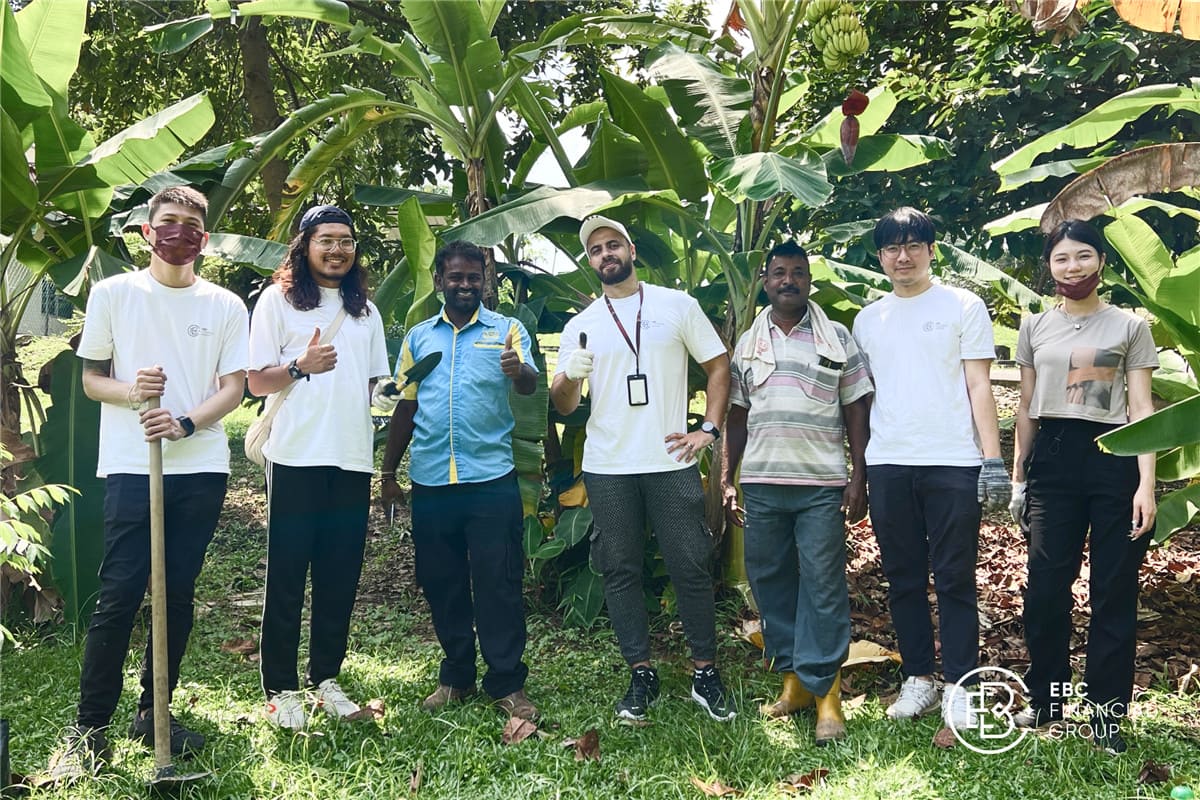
{"x":673,"y":503}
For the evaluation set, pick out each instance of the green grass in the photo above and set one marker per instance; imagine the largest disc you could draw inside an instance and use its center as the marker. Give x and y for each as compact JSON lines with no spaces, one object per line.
{"x":575,"y":679}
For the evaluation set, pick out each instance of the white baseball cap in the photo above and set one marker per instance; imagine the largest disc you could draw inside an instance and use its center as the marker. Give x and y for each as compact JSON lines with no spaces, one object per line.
{"x":592,"y":224}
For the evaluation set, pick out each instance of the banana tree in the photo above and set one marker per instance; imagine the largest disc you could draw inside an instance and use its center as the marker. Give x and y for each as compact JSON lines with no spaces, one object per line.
{"x":457,"y":82}
{"x":1122,"y":186}
{"x":674,"y":162}
{"x":57,"y":183}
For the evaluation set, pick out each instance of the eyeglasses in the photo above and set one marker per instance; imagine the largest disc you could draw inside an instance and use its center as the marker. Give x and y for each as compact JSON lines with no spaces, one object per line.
{"x":911,"y":248}
{"x":326,"y":244}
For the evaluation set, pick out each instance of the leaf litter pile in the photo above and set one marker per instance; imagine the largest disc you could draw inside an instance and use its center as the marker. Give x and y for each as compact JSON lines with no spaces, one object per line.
{"x":1168,"y":606}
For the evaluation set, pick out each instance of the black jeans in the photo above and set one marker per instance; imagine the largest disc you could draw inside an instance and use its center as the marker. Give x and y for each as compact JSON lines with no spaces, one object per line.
{"x":929,"y":517}
{"x":317,"y":519}
{"x":469,"y":565}
{"x":1073,"y":488}
{"x":191,"y":506}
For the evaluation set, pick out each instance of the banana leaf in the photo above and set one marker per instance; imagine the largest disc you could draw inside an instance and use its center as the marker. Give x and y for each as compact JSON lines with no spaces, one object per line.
{"x":71,"y":442}
{"x":1103,"y":122}
{"x":1174,"y":426}
{"x":674,"y":164}
{"x":1176,"y":510}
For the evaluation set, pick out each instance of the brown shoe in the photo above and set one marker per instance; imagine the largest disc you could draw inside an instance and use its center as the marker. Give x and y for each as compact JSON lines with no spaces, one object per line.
{"x":831,"y":725}
{"x":446,"y":695}
{"x":793,"y":698}
{"x":518,"y":705}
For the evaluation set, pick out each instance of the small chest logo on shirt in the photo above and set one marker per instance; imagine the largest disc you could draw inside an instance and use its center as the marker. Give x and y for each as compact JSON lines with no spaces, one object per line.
{"x":933,"y":325}
{"x":490,"y":336}
{"x":198,"y":330}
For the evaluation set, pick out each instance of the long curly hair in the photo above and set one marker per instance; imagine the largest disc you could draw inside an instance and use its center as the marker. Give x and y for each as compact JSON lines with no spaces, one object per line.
{"x":296,"y":281}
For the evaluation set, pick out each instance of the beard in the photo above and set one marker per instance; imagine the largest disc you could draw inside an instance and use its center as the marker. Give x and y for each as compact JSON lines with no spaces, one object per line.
{"x":464,"y":305}
{"x":624,"y":270}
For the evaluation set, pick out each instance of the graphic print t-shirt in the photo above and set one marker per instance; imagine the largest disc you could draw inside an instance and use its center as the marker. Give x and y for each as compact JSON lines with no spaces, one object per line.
{"x":1081,"y":373}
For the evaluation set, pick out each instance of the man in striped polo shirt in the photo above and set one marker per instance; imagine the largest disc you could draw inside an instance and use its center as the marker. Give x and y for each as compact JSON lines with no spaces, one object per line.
{"x":799,"y":387}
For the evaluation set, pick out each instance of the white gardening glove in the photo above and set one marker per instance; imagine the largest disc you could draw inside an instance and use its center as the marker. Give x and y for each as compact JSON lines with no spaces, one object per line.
{"x":1017,"y":504}
{"x":579,"y":364}
{"x":380,"y":397}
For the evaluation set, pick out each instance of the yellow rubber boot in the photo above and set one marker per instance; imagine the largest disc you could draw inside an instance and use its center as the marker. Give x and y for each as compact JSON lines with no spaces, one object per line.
{"x":831,"y":725}
{"x":793,"y":698}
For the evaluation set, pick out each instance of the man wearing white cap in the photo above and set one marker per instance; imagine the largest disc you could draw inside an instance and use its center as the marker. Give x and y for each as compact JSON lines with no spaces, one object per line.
{"x":639,"y":461}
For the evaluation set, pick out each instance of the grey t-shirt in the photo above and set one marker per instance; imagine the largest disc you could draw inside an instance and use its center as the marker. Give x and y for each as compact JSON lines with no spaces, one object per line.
{"x":1081,"y":372}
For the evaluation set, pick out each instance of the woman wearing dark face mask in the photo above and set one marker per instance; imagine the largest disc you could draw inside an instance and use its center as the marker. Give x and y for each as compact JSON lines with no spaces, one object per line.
{"x":1085,"y":369}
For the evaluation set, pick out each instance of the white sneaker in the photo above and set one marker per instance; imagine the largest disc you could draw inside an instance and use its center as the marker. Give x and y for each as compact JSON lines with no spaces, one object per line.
{"x":335,"y":702}
{"x":956,"y":709}
{"x":286,"y":710}
{"x":917,"y":698}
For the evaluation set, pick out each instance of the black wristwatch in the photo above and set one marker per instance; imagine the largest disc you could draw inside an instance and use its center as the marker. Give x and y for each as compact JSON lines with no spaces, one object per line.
{"x":295,"y":371}
{"x":188,"y":426}
{"x":710,"y":429}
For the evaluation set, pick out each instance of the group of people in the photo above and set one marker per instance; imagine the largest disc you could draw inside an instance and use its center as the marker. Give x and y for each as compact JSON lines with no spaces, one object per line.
{"x":908,"y":390}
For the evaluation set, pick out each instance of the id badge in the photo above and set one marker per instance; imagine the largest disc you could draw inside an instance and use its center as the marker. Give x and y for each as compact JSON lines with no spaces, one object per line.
{"x":638,"y":394}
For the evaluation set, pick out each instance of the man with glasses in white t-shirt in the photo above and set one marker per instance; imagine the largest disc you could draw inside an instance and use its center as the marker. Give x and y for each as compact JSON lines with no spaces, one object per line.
{"x":932,"y":458}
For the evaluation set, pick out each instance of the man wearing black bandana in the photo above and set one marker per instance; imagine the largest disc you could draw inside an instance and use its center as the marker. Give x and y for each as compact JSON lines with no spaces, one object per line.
{"x":315,"y":331}
{"x":159,"y":332}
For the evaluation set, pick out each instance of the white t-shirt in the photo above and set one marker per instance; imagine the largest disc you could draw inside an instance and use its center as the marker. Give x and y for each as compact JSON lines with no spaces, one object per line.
{"x":326,"y":419}
{"x":196,"y":334}
{"x":915,"y":346}
{"x":624,"y":439}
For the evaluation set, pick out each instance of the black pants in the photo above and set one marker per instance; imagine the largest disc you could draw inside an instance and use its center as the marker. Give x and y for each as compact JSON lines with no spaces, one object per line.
{"x":469,"y":564}
{"x":191,"y":506}
{"x":1071,"y":488}
{"x":929,"y":517}
{"x":317,"y":519}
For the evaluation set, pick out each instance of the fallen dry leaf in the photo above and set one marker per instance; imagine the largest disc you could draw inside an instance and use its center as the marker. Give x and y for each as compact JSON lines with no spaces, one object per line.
{"x":864,"y":652}
{"x":587,"y":747}
{"x":714,"y":788}
{"x":242,"y":647}
{"x":1153,"y":772}
{"x":795,"y":784}
{"x":517,"y":730}
{"x":854,"y":702}
{"x":374,"y":709}
{"x":944,"y":739}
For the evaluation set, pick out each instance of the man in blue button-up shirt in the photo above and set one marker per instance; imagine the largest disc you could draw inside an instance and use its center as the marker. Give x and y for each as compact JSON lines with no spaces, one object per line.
{"x":466,"y":507}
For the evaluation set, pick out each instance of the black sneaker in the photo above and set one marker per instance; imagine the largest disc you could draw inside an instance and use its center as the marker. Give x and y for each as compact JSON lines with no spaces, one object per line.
{"x":1106,"y":735}
{"x":1036,"y":717}
{"x":83,"y":753}
{"x":642,"y":692}
{"x":708,"y":691}
{"x":183,"y":741}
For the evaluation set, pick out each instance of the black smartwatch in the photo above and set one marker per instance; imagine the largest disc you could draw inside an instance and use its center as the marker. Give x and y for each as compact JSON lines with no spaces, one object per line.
{"x":188,"y":426}
{"x":710,"y":429}
{"x":295,"y":371}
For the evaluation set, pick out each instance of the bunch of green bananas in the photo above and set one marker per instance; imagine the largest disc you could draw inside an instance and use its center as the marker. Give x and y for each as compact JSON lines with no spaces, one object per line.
{"x":836,"y":31}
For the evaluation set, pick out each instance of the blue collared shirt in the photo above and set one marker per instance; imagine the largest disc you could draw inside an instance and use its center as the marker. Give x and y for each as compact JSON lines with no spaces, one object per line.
{"x":463,"y":426}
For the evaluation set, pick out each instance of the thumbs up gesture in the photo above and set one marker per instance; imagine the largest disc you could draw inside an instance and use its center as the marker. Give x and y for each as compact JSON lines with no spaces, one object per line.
{"x":317,"y":357}
{"x":510,"y":362}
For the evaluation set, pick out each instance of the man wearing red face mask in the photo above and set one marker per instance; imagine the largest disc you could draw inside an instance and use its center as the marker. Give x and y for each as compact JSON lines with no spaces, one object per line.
{"x":159,"y":332}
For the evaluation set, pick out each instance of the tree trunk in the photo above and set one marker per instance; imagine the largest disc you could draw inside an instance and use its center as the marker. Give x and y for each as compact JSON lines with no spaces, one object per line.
{"x":477,"y":203}
{"x":10,"y":415}
{"x":259,"y":93}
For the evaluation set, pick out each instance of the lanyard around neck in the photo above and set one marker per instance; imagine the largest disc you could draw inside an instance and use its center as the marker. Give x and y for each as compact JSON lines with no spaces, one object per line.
{"x":636,"y":348}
